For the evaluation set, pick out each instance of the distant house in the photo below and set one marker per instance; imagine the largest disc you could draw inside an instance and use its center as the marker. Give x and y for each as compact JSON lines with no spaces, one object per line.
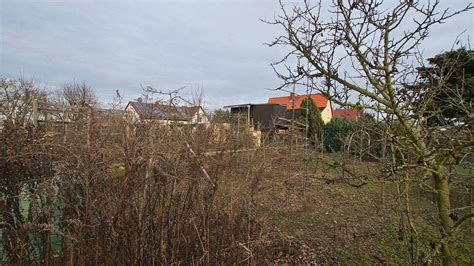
{"x":165,"y":114}
{"x":294,"y":101}
{"x":347,"y":114}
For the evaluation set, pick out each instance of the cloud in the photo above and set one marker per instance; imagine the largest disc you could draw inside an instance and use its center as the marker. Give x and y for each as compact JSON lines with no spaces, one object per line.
{"x":168,"y":44}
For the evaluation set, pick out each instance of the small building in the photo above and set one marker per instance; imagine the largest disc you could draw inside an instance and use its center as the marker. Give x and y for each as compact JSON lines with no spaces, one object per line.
{"x":165,"y":114}
{"x":350,"y":114}
{"x":259,"y":116}
{"x":293,"y":103}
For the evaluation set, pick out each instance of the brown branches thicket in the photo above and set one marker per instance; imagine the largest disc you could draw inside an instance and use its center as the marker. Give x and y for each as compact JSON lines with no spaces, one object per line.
{"x":103,"y":190}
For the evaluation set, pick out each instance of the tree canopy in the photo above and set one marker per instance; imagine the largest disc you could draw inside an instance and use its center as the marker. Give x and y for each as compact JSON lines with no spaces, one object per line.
{"x":312,"y":117}
{"x":449,"y":81}
{"x":335,"y":133}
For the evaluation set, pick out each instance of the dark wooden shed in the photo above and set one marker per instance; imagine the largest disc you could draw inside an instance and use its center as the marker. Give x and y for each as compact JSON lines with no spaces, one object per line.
{"x":261,"y":116}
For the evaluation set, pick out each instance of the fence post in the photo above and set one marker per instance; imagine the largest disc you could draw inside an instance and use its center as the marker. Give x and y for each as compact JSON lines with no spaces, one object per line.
{"x":35,"y":112}
{"x":471,"y":223}
{"x":89,"y":117}
{"x":65,"y":134}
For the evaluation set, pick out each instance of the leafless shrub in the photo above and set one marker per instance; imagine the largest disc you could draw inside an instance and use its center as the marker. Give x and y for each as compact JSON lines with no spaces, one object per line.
{"x":104,"y":190}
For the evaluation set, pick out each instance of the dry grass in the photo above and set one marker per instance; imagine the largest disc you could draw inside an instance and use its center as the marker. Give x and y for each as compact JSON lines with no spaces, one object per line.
{"x":335,"y":220}
{"x":258,"y":213}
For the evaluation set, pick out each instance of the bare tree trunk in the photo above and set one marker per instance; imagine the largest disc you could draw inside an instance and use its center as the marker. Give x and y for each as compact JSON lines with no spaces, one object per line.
{"x":443,"y":204}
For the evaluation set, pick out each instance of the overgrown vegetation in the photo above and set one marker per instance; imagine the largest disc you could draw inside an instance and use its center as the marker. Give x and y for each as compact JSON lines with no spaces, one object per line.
{"x":311,"y":117}
{"x":103,"y":190}
{"x":335,"y":133}
{"x":361,"y":52}
{"x":84,"y":185}
{"x":99,"y":189}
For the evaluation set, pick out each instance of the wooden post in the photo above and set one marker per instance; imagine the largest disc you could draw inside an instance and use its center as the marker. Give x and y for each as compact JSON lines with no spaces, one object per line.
{"x":238,"y":125}
{"x":35,"y":112}
{"x":471,"y":222}
{"x":384,"y":156}
{"x":64,"y":125}
{"x":248,"y":115}
{"x":89,"y":129}
{"x":65,"y":134}
{"x":342,"y":168}
{"x":292,"y":118}
{"x":46,"y":120}
{"x":322,"y":149}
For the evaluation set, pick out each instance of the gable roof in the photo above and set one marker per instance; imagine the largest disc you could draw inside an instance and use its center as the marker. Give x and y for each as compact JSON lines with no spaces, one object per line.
{"x":319,"y":100}
{"x":348,"y":114}
{"x":162,"y":111}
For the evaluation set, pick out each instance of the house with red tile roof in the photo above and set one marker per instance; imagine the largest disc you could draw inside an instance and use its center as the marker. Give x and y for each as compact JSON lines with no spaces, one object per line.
{"x":295,"y":101}
{"x":350,"y":114}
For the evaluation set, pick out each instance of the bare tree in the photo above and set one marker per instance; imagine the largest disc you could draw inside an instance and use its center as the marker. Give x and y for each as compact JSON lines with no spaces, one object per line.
{"x":78,"y":99}
{"x":170,"y":97}
{"x":16,"y":99}
{"x":197,"y":97}
{"x":367,"y":50}
{"x":79,"y":94}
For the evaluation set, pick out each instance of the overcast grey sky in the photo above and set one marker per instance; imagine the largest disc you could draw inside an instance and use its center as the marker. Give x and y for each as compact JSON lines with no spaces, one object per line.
{"x":120,"y":45}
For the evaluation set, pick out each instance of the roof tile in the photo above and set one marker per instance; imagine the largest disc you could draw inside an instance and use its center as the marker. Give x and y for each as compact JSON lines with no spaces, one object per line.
{"x":348,"y":114}
{"x":318,"y":99}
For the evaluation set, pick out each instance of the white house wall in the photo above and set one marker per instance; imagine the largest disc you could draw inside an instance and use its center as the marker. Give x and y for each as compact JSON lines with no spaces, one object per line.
{"x":326,"y":114}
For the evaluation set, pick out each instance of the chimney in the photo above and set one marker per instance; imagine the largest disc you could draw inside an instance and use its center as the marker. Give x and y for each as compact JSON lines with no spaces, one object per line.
{"x":139,"y":99}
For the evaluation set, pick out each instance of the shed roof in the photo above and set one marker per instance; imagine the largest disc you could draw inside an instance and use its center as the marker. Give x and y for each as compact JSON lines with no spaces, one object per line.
{"x":249,"y":104}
